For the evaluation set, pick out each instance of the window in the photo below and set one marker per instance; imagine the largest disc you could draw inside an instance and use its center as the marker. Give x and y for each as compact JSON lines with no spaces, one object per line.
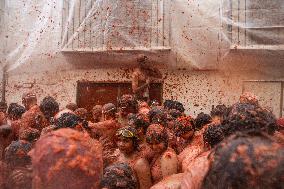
{"x":95,"y":25}
{"x":257,"y":24}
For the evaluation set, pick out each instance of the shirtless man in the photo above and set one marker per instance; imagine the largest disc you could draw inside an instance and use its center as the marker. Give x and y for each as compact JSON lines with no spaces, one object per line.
{"x":165,"y":161}
{"x":107,"y":130}
{"x":128,"y":152}
{"x":142,"y":77}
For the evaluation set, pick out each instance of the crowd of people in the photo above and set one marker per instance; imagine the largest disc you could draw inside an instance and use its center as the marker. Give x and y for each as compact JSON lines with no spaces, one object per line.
{"x":135,"y":144}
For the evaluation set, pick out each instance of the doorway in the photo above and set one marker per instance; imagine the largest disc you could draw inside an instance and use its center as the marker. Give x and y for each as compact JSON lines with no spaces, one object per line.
{"x":90,"y":93}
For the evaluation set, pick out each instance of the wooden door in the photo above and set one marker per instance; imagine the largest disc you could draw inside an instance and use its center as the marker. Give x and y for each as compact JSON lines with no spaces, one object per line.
{"x":90,"y":94}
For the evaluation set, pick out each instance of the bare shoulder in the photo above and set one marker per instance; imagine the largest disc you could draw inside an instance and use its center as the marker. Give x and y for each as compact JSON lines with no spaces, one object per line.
{"x":173,"y":182}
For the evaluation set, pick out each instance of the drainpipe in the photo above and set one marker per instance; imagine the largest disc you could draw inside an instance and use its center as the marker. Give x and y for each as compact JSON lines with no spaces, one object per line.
{"x":4,"y":82}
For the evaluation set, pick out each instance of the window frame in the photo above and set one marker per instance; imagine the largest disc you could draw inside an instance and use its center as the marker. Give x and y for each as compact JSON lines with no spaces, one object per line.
{"x":157,"y":44}
{"x":238,"y":35}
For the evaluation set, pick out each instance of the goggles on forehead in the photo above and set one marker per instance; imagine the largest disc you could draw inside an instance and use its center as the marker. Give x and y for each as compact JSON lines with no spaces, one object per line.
{"x":125,"y":133}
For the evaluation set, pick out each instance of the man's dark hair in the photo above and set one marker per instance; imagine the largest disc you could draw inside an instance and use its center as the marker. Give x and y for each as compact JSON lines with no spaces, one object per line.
{"x":119,"y":176}
{"x":140,"y":122}
{"x":246,"y":117}
{"x":15,"y":111}
{"x":219,"y":110}
{"x":169,"y":104}
{"x":251,"y":160}
{"x":49,"y":107}
{"x":213,"y":135}
{"x":201,"y":120}
{"x":179,"y":106}
{"x":67,"y":120}
{"x":157,"y":115}
{"x":16,"y":154}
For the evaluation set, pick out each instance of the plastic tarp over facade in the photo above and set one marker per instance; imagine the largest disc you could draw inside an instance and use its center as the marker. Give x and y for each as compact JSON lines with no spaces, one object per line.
{"x":195,"y":34}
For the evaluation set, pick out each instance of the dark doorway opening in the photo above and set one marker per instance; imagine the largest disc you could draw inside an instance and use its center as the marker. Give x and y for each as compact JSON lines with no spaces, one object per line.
{"x":90,"y":94}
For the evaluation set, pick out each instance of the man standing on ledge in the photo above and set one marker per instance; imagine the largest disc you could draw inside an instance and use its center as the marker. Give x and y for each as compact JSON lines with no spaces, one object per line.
{"x":142,"y":77}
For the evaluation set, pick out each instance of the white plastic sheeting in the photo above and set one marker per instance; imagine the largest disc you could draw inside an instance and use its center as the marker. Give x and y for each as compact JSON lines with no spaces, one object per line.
{"x":181,"y":33}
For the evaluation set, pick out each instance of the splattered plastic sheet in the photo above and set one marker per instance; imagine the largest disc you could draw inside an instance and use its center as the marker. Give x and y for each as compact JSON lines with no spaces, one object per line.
{"x":196,"y":34}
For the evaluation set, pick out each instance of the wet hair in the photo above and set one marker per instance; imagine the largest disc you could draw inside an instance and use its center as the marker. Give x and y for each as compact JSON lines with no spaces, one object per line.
{"x":81,"y":112}
{"x":156,"y":134}
{"x":183,"y":125}
{"x":15,"y":111}
{"x":16,"y":154}
{"x":201,"y":120}
{"x":128,"y":132}
{"x":169,"y":104}
{"x":119,"y":176}
{"x":29,"y":134}
{"x":67,"y":158}
{"x":128,"y":100}
{"x":140,"y":121}
{"x":174,"y":113}
{"x":213,"y":135}
{"x":71,"y":106}
{"x":20,"y":178}
{"x":67,"y":120}
{"x":49,"y":107}
{"x":158,"y":116}
{"x":179,"y":106}
{"x":220,"y":111}
{"x":246,"y":117}
{"x":130,"y":119}
{"x":109,"y":109}
{"x":251,"y":161}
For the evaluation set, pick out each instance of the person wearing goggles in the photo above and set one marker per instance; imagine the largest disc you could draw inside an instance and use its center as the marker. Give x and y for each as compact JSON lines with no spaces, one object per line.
{"x":128,"y":152}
